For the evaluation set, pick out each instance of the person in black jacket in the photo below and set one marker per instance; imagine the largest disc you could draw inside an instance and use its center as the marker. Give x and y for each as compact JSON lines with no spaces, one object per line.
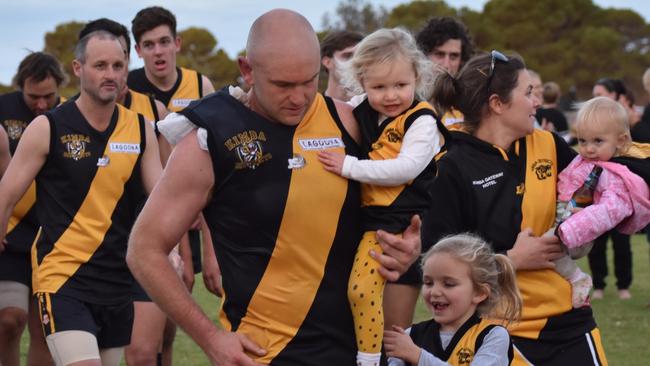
{"x":498,"y":180}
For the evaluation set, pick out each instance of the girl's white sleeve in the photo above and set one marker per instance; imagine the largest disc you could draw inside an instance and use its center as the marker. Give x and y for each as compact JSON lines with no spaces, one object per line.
{"x":420,"y":144}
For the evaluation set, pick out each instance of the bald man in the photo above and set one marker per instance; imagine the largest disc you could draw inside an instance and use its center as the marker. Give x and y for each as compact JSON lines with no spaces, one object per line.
{"x":285,"y":230}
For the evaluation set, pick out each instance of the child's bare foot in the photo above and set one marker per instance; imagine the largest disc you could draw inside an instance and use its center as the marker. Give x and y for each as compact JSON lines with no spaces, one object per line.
{"x":598,"y":294}
{"x":624,"y":294}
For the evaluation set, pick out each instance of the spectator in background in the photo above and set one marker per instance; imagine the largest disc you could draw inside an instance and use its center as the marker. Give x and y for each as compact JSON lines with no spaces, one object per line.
{"x":447,"y":42}
{"x":641,"y":131}
{"x":548,"y":114}
{"x":337,"y":46}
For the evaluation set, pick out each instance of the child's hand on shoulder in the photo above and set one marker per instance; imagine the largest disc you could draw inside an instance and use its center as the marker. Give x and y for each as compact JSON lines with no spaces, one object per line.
{"x":398,"y":344}
{"x":332,"y":161}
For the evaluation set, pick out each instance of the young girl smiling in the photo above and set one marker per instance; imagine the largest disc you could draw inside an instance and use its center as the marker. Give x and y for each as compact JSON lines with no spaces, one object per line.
{"x":463,"y":282}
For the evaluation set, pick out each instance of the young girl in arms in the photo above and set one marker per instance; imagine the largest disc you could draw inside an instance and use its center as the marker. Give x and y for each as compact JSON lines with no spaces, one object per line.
{"x":463,"y":281}
{"x":401,"y":136}
{"x":621,"y":197}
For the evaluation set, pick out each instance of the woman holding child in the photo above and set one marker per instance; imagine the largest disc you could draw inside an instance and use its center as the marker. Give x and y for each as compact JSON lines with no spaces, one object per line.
{"x":498,"y":179}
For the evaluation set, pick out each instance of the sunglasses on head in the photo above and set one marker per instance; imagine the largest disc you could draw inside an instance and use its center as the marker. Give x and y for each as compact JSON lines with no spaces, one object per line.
{"x":494,"y":57}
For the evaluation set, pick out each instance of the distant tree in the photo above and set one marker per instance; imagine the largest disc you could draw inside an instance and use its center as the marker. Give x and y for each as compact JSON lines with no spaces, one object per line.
{"x":60,"y":43}
{"x":199,"y":51}
{"x":356,"y":15}
{"x":413,"y":15}
{"x":5,"y":88}
{"x":572,"y":42}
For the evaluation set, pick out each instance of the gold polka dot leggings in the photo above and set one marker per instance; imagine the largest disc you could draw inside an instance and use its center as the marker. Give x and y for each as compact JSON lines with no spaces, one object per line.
{"x":366,"y":294}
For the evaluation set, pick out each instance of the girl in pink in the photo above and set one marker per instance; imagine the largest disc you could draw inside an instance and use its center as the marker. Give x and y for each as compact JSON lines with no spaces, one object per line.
{"x":621,"y":198}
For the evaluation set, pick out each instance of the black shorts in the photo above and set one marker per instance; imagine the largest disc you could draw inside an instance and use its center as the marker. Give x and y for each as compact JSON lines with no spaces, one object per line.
{"x":110,"y":324}
{"x":138,"y":292}
{"x":16,"y":267}
{"x":412,"y":276}
{"x":584,"y":350}
{"x":195,"y":247}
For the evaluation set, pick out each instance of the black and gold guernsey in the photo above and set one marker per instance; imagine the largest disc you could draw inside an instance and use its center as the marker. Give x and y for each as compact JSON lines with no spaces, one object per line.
{"x":87,"y":191}
{"x":15,"y":116}
{"x":143,"y":104}
{"x":391,"y":207}
{"x":285,"y":230}
{"x":463,"y":345}
{"x":188,"y":87}
{"x":496,"y":193}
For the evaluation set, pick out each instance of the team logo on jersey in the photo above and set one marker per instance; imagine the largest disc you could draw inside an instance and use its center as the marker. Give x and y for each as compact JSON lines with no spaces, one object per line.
{"x":543,"y":168}
{"x":75,"y":146}
{"x":464,"y":356}
{"x":14,"y":128}
{"x":321,"y":143}
{"x":393,"y":135}
{"x":103,"y":161}
{"x":248,"y":147}
{"x":297,"y":162}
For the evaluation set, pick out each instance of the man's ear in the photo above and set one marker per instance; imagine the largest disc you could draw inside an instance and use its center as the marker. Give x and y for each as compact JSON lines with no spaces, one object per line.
{"x":76,"y":67}
{"x":177,"y":43}
{"x":327,"y":63}
{"x":245,"y":69}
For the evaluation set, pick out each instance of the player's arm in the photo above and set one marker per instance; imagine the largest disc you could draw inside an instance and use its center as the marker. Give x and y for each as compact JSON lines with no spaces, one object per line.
{"x":150,"y":166}
{"x":5,"y":156}
{"x":23,"y":167}
{"x":174,"y":204}
{"x":208,"y":88}
{"x":351,"y":125}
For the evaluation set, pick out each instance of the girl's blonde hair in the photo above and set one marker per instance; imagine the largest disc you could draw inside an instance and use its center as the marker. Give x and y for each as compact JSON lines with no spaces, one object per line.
{"x":603,"y":111}
{"x":490,"y":273}
{"x":387,"y":45}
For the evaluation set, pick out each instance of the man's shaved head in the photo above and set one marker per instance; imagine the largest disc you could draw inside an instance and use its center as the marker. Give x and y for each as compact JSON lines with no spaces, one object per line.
{"x":280,"y":31}
{"x":282,"y":64}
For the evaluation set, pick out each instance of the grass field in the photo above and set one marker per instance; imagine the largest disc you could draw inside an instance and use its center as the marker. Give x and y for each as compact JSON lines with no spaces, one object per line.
{"x":624,"y":325}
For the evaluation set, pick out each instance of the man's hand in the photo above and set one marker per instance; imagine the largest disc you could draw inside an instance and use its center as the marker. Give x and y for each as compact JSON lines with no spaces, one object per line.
{"x":332,"y":161}
{"x":400,"y":251}
{"x":212,"y":275}
{"x":535,"y":252}
{"x":229,"y":349}
{"x":176,"y":262}
{"x":398,"y":344}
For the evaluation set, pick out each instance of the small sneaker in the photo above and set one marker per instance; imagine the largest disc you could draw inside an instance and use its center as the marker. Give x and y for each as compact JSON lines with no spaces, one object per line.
{"x":598,"y":294}
{"x":624,"y":294}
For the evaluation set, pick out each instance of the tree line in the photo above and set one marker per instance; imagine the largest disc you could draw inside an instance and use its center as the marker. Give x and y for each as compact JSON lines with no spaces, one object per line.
{"x":572,"y":42}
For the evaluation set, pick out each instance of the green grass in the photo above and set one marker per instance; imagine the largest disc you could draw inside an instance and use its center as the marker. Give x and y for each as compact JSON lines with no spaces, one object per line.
{"x":624,"y":325}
